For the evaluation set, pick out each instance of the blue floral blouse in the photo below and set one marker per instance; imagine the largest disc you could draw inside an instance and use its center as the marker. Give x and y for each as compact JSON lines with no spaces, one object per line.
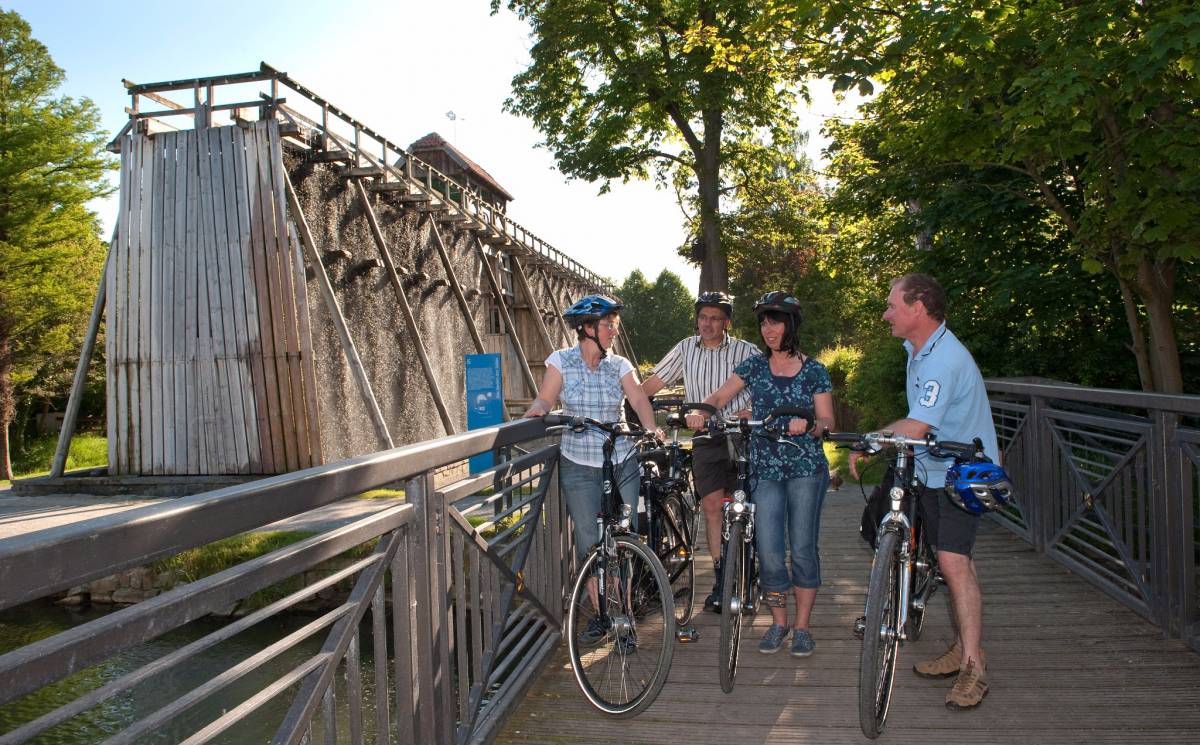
{"x":774,"y":461}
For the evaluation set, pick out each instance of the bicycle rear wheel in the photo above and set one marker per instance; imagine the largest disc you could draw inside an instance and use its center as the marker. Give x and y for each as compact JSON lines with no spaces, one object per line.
{"x":674,"y":549}
{"x":734,"y":591}
{"x":881,"y":640}
{"x":621,"y":656}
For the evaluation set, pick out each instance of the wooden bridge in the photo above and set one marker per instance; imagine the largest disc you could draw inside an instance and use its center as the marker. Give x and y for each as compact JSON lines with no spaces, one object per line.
{"x":1067,"y":664}
{"x":1090,"y":582}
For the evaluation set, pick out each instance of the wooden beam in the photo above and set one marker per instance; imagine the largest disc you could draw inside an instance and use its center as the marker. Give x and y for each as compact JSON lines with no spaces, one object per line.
{"x":339,"y":321}
{"x":85,"y":356}
{"x":405,"y":310}
{"x":557,"y":303}
{"x":538,"y":322}
{"x":498,"y":294}
{"x":456,"y":288}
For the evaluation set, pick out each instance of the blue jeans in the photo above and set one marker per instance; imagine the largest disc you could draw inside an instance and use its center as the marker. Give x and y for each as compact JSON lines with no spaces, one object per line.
{"x":580,"y":487}
{"x":787,"y":515}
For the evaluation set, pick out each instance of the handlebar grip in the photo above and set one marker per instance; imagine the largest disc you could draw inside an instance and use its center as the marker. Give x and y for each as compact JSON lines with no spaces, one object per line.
{"x":555,"y":420}
{"x":796,"y":411}
{"x":709,"y":408}
{"x":848,"y":437}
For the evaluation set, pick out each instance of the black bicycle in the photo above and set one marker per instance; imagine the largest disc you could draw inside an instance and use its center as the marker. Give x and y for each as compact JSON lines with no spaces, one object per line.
{"x":620,"y":622}
{"x":741,"y":593}
{"x":663,"y":524}
{"x":904,"y":573}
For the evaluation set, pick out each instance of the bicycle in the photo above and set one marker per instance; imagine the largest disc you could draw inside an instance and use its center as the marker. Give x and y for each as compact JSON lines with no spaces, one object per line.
{"x":665,"y":527}
{"x":620,"y":621}
{"x":904,"y":573}
{"x":741,"y":594}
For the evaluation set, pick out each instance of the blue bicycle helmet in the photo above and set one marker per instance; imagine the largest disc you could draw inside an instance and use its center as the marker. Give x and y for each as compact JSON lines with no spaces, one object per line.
{"x":590,"y":308}
{"x":978,"y":487}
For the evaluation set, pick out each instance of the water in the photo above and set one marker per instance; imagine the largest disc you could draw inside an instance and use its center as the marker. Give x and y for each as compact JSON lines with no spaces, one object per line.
{"x":21,"y":626}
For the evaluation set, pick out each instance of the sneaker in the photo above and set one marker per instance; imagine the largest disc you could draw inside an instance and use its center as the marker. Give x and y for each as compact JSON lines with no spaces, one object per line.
{"x":802,"y":643}
{"x":970,"y":687}
{"x":772,"y":641}
{"x":943,"y":666}
{"x":626,"y":644}
{"x":595,"y":631}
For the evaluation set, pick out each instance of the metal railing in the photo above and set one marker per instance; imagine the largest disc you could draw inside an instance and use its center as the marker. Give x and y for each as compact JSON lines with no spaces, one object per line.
{"x":456,"y":602}
{"x":1109,"y":486}
{"x":333,"y":134}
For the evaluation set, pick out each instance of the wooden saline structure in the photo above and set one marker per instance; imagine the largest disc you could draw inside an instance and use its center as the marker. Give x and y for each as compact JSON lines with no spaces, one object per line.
{"x":287,"y":287}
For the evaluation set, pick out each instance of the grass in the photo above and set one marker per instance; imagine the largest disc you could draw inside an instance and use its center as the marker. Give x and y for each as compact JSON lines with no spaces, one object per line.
{"x":87,"y":451}
{"x":203,"y":561}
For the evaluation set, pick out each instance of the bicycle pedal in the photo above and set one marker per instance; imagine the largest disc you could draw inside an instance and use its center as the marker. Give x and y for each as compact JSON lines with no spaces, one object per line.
{"x":860,"y":626}
{"x":687,"y":635}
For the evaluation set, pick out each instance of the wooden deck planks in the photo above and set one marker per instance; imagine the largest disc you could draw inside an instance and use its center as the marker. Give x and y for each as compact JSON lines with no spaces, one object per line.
{"x":1067,"y":665}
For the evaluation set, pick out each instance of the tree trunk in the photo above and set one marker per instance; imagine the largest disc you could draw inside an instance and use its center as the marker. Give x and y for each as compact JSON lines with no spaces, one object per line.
{"x":1156,"y":286}
{"x":714,"y":272}
{"x":7,"y":401}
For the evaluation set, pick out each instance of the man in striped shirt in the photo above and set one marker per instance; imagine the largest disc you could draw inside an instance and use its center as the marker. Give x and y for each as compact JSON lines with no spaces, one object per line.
{"x":704,"y":362}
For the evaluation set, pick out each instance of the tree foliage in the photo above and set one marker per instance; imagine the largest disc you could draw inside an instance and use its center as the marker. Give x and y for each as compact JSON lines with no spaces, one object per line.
{"x":1075,"y":121}
{"x":52,"y":162}
{"x":632,"y":88}
{"x":658,"y":315}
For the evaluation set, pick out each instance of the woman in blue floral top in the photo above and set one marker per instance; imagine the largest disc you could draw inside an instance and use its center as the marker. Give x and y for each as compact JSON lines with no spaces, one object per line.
{"x":791,"y":483}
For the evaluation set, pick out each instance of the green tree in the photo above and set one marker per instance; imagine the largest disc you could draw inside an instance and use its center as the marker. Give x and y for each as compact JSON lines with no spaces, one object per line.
{"x":629,"y":88}
{"x":52,"y":162}
{"x":1088,"y":112}
{"x":656,"y":316}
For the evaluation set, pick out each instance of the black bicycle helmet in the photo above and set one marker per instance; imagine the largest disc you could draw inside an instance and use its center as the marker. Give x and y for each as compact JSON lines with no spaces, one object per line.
{"x":780,"y":301}
{"x":715,"y":300}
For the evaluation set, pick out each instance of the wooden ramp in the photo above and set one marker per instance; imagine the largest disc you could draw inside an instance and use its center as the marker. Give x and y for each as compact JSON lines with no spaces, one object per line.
{"x":1068,"y":665}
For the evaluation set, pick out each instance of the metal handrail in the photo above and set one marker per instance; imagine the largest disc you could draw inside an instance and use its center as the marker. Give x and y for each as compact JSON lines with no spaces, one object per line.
{"x":474,"y":611}
{"x":1109,"y":486}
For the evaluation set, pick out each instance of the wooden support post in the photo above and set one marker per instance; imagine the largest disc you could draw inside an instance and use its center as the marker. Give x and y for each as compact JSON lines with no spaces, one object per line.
{"x":538,"y":322}
{"x":562,"y":324}
{"x":455,"y":287}
{"x":504,"y":314}
{"x":339,"y":321}
{"x":405,"y":310}
{"x":85,"y":356}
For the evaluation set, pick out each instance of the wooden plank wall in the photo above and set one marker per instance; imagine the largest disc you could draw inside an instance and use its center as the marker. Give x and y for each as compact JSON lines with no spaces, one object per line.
{"x":209,"y":363}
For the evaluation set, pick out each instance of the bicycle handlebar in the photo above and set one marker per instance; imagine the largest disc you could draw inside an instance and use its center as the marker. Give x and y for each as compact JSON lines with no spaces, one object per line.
{"x":876,"y":441}
{"x":580,"y":423}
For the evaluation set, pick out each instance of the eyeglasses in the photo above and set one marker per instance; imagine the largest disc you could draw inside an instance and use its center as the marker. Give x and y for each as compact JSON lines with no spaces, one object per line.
{"x":610,"y":325}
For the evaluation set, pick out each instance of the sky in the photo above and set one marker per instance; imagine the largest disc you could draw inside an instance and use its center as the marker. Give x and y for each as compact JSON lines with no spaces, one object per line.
{"x":398,"y":66}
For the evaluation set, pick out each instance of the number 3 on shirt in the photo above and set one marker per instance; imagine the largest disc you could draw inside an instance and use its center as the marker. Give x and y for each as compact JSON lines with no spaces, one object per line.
{"x":932,"y":389}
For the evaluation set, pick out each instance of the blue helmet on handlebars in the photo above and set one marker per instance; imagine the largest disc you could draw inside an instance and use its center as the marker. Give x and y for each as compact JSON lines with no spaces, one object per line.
{"x":590,"y":308}
{"x":978,"y":487}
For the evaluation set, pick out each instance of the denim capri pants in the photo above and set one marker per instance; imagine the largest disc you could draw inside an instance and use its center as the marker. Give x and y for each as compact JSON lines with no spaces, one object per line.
{"x":787,"y":516}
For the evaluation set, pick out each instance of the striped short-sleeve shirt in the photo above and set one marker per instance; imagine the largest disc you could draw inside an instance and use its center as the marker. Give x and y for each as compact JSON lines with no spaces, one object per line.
{"x":703,"y":370}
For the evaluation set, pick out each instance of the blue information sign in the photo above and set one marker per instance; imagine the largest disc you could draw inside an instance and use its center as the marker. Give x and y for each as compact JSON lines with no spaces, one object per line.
{"x":485,"y":398}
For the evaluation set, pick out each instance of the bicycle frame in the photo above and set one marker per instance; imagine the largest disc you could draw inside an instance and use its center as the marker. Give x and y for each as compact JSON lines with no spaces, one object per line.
{"x":903,"y":519}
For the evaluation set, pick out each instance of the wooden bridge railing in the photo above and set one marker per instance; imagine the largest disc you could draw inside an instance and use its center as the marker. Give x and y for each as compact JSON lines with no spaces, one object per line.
{"x":333,"y":135}
{"x":1109,"y":486}
{"x":473,"y":572}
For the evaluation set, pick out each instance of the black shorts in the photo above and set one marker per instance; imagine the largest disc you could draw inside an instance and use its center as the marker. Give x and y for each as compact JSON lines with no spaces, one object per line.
{"x":712,"y":470}
{"x":947,"y":526}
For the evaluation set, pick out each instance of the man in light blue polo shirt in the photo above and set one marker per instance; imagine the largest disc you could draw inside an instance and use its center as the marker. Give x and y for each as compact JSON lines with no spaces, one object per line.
{"x":946,"y":396}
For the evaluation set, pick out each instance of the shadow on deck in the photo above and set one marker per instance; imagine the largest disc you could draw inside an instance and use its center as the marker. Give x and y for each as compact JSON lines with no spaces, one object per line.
{"x":1068,"y":664}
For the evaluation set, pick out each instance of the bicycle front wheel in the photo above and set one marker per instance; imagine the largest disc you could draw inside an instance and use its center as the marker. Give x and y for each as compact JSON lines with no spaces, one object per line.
{"x":674,"y":549}
{"x":734,"y":592}
{"x":621,"y":645}
{"x":881,"y":639}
